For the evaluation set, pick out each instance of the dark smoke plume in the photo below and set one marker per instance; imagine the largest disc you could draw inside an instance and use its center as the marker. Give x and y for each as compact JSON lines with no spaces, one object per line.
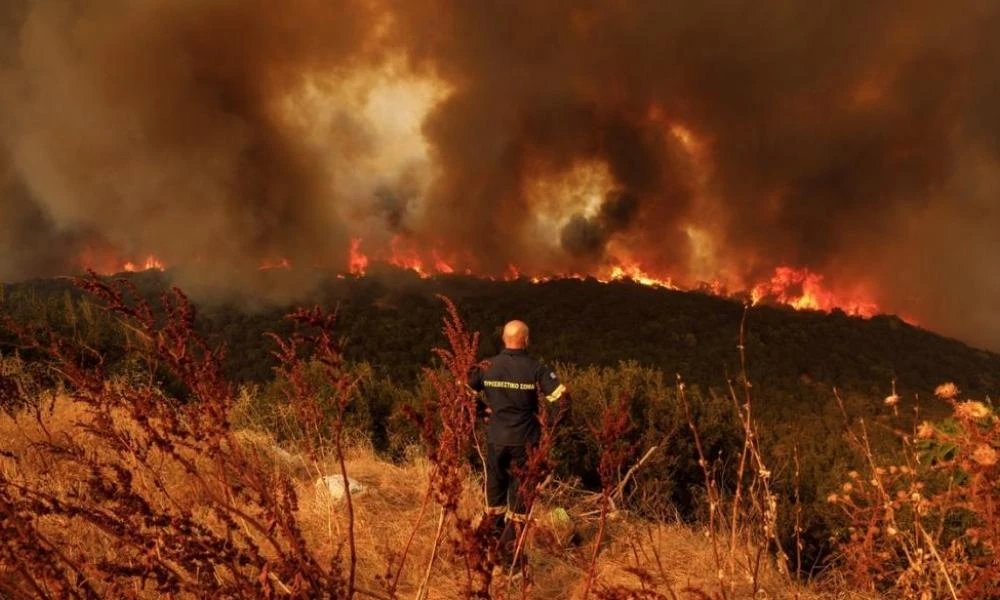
{"x":859,"y":139}
{"x":587,"y":237}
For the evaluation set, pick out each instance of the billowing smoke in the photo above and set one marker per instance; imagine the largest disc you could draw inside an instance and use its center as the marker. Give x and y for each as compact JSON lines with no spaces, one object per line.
{"x":583,"y":236}
{"x":699,"y":140}
{"x":171,"y":128}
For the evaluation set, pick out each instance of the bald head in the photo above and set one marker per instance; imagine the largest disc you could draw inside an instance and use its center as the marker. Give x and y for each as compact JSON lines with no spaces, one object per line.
{"x":515,"y":335}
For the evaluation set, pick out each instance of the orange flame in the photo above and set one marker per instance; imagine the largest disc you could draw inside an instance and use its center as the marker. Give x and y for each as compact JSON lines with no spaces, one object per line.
{"x":151,"y":263}
{"x":357,"y":262}
{"x":798,"y":288}
{"x":804,"y":290}
{"x":104,"y":260}
{"x":406,"y":257}
{"x":633,"y":272}
{"x":440,"y":266}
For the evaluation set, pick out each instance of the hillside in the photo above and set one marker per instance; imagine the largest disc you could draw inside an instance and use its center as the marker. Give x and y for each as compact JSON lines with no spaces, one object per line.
{"x":391,"y":318}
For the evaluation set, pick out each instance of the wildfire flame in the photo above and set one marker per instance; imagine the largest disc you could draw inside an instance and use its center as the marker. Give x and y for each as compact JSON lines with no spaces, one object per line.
{"x":798,"y":288}
{"x":440,"y":265}
{"x":804,"y":290}
{"x":357,"y":264}
{"x":151,"y":263}
{"x":406,"y":257}
{"x":633,"y":272}
{"x":107,"y":262}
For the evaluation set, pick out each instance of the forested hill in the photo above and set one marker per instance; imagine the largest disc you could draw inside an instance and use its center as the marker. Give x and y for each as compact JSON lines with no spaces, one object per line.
{"x":391,"y":319}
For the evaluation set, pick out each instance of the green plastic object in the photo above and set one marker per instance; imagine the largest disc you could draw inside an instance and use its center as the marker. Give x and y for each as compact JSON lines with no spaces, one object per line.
{"x":559,"y":515}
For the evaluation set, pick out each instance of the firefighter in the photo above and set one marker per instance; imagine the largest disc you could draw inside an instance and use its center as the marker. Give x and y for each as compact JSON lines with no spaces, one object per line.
{"x":516,"y":389}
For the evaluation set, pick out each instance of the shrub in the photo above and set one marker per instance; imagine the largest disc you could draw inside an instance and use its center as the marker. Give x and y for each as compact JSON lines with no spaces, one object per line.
{"x":924,"y":523}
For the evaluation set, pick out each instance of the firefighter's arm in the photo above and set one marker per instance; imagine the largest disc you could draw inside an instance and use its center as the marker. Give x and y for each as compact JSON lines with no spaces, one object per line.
{"x":474,"y":381}
{"x":555,"y":394}
{"x":473,"y":386}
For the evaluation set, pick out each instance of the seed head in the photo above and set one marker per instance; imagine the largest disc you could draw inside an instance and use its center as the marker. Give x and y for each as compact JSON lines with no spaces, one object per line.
{"x":946,"y":391}
{"x":985,"y":455}
{"x":972,"y":410}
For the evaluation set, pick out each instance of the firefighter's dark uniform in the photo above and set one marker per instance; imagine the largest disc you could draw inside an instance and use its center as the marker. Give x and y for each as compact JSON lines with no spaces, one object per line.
{"x":512,"y":383}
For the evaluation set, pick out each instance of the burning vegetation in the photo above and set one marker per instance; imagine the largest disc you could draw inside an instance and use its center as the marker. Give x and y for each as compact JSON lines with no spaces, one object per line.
{"x":797,"y":288}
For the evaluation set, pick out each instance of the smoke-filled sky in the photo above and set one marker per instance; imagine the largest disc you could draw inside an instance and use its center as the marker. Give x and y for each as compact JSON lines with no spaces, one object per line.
{"x":699,"y":140}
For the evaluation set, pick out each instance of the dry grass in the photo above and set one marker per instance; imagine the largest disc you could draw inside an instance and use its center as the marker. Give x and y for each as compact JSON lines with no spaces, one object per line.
{"x":672,"y":559}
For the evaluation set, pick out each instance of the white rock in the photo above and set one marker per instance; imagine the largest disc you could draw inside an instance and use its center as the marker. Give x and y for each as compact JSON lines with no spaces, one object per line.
{"x":334,"y":485}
